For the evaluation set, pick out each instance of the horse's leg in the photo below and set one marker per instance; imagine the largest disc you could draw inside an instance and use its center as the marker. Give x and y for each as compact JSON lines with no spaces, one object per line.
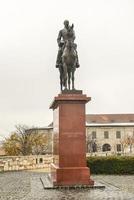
{"x":61,"y":83}
{"x":60,"y":70}
{"x":73,"y":79}
{"x":66,"y":80}
{"x":65,"y":76}
{"x":69,"y":76}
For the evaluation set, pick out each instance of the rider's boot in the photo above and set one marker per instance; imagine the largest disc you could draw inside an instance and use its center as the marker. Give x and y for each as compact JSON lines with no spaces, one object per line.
{"x":77,"y":65}
{"x":58,"y":61}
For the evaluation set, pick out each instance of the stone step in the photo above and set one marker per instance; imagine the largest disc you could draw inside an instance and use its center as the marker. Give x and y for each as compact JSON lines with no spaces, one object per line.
{"x":47,"y":184}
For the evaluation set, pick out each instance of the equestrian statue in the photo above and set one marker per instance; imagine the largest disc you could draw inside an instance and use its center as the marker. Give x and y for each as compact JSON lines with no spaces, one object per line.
{"x":67,"y":58}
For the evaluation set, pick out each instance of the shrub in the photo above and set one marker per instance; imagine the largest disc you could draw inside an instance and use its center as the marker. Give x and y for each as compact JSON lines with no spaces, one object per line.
{"x":111,"y":165}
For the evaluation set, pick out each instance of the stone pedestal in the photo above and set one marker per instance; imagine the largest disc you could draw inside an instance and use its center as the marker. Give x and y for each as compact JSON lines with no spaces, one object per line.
{"x":69,"y":140}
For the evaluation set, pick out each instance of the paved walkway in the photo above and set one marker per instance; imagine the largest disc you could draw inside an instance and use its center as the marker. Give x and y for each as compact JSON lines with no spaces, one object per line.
{"x":27,"y":186}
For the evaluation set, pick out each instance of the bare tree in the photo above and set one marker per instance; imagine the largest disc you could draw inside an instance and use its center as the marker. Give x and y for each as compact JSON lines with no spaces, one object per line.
{"x":25,"y":141}
{"x":127,"y":141}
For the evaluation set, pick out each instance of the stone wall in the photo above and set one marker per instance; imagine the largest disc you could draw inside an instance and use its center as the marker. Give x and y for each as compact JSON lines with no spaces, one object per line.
{"x":13,"y":163}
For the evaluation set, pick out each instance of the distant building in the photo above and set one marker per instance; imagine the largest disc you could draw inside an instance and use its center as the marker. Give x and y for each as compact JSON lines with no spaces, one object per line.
{"x":106,"y":134}
{"x":110,"y":134}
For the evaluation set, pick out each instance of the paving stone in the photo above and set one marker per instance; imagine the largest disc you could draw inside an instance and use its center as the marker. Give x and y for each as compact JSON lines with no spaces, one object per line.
{"x":27,"y":185}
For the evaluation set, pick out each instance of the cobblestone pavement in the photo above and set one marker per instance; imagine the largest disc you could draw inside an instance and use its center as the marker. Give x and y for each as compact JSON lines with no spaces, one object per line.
{"x":27,"y":186}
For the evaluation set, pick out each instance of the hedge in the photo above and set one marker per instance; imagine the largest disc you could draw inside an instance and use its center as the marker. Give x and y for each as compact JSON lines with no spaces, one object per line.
{"x":111,"y":165}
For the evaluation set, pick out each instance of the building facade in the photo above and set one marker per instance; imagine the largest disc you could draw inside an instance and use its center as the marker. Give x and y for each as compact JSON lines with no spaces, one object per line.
{"x":110,"y":134}
{"x":106,"y":134}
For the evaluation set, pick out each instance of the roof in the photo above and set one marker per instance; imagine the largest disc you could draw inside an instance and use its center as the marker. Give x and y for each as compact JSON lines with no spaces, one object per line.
{"x":50,"y":125}
{"x":109,"y":118}
{"x":39,"y":128}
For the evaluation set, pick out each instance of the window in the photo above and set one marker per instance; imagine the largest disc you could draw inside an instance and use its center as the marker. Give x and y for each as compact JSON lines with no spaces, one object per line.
{"x":41,"y":160}
{"x":118,"y":134}
{"x":36,"y":161}
{"x":106,"y":135}
{"x":106,"y":147}
{"x":118,"y":146}
{"x":93,"y":135}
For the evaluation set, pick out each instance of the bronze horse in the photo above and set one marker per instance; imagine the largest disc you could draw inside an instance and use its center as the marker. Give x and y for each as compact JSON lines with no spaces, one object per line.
{"x":69,"y":59}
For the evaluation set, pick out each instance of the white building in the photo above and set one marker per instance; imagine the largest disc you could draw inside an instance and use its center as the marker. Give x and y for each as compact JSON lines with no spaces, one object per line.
{"x":110,"y":134}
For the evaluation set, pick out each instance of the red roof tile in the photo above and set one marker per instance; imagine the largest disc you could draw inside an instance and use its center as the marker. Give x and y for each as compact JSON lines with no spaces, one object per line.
{"x":109,"y":118}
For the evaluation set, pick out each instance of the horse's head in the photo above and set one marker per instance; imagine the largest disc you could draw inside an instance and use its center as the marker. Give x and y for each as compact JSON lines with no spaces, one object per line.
{"x":69,"y":44}
{"x":70,"y":28}
{"x":70,"y":32}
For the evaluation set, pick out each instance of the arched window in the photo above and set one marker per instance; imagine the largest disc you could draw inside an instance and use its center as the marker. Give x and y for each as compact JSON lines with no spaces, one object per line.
{"x":106,"y":147}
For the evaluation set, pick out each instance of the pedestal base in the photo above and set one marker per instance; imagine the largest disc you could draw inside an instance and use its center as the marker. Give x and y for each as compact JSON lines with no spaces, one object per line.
{"x":71,"y":176}
{"x":48,"y":185}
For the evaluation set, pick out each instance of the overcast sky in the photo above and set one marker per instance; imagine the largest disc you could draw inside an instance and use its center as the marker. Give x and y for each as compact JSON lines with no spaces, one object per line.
{"x":28,"y":49}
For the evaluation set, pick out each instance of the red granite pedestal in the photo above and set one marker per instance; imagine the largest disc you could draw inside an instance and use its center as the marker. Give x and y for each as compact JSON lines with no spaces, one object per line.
{"x":69,"y":140}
